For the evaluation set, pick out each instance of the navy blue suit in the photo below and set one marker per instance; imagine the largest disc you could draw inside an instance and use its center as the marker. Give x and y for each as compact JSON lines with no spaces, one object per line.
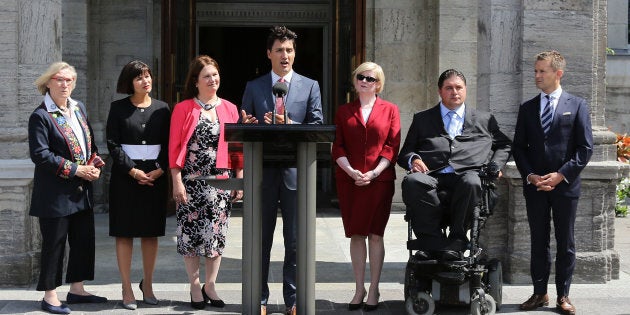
{"x":303,"y":105}
{"x":566,"y":149}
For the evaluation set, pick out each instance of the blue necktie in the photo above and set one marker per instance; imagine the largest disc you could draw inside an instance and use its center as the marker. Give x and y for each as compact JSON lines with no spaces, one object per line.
{"x":547,"y":116}
{"x":451,"y":128}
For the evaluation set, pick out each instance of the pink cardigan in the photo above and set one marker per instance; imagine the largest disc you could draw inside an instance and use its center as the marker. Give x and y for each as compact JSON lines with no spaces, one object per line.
{"x":183,"y":122}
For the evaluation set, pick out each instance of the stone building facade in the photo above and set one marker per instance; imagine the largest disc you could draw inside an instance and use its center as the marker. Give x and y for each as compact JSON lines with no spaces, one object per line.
{"x":493,"y":42}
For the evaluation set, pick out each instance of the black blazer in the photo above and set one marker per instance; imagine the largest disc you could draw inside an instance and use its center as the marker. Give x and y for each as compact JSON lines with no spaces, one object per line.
{"x":566,"y":149}
{"x":481,"y":141}
{"x":57,"y":192}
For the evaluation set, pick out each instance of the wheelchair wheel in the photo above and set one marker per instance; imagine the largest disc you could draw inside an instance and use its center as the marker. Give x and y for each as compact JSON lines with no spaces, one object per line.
{"x":495,"y":282}
{"x":486,"y":307}
{"x":420,"y":304}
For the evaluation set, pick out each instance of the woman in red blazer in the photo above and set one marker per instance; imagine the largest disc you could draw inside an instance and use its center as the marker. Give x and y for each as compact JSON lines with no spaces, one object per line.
{"x":367,"y":141}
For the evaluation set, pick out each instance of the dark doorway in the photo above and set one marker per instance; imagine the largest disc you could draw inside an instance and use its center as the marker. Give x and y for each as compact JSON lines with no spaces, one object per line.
{"x":242,"y":55}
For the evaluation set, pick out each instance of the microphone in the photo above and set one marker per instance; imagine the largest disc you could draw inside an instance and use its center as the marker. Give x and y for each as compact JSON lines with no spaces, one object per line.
{"x":280,"y":89}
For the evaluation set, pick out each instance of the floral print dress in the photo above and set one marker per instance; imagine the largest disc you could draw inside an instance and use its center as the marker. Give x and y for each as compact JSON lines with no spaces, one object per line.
{"x":202,"y":222}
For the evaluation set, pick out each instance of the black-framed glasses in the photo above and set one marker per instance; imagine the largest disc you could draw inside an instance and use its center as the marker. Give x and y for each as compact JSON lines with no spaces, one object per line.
{"x":361,"y":77}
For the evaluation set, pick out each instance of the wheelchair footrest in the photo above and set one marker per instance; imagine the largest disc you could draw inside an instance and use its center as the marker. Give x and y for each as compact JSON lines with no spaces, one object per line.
{"x":447,"y":277}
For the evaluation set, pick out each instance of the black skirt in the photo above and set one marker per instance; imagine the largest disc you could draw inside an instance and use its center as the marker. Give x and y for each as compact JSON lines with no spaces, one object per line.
{"x":137,"y":210}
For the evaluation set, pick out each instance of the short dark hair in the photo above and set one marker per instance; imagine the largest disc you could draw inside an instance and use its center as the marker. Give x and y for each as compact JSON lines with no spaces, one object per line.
{"x":281,"y":33}
{"x":200,"y":62}
{"x":129,"y":72}
{"x":448,"y":74}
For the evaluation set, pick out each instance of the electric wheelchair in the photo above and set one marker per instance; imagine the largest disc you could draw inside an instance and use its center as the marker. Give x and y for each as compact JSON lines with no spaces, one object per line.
{"x":470,"y":280}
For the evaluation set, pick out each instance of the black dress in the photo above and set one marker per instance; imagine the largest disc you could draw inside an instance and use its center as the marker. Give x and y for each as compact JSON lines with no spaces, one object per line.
{"x":137,"y":210}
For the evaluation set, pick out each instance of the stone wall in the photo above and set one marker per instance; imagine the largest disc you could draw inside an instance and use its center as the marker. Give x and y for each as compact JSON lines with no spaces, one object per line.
{"x":30,"y":41}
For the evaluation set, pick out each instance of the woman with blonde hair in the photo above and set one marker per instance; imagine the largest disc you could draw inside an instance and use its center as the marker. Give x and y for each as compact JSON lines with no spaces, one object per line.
{"x":366,"y":144}
{"x":61,"y":144}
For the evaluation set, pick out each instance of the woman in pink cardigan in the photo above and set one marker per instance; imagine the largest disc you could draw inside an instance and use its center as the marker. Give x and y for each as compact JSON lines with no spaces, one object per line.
{"x":197,"y":147}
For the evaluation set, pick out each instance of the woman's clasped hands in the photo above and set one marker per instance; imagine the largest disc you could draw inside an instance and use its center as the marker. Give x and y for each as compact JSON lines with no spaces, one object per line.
{"x":362,"y":179}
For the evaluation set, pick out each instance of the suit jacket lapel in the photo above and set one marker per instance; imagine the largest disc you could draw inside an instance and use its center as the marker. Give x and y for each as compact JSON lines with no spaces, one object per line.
{"x":356,"y":111}
{"x":436,"y":121}
{"x":470,"y":118}
{"x":561,"y":107}
{"x":295,"y":86}
{"x":268,"y":96}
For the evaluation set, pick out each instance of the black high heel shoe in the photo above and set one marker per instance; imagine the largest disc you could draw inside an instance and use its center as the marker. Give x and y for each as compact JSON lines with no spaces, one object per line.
{"x":370,"y":307}
{"x":216,"y":303}
{"x":197,"y":305}
{"x":353,"y":306}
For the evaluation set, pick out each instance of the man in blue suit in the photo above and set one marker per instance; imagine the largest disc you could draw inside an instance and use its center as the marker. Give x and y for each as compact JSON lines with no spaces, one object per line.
{"x":553,"y":142}
{"x":303,"y":106}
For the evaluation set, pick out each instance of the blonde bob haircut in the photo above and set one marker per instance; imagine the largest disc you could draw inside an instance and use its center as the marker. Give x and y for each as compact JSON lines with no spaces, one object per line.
{"x":52,"y":70}
{"x":378,"y":72}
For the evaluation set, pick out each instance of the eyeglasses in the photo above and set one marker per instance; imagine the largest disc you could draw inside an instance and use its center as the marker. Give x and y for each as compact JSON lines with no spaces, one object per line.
{"x":61,"y":80}
{"x":361,"y":77}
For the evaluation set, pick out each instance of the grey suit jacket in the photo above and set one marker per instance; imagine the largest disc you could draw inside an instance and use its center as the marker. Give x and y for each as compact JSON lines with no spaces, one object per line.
{"x":303,"y":104}
{"x":481,"y":141}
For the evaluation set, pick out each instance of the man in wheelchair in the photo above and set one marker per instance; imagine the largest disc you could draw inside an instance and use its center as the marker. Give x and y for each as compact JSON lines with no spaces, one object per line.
{"x":444,"y":150}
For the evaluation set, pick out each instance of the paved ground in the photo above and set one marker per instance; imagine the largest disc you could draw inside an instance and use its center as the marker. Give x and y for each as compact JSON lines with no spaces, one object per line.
{"x":334,"y":286}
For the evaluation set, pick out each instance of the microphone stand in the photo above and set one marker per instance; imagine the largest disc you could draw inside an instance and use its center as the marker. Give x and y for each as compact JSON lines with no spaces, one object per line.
{"x":284,"y":104}
{"x":273,"y":116}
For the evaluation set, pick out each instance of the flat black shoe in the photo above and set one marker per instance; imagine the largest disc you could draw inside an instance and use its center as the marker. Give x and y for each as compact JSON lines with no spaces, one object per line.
{"x":76,"y":298}
{"x":61,"y":309}
{"x":197,"y":305}
{"x":206,"y":298}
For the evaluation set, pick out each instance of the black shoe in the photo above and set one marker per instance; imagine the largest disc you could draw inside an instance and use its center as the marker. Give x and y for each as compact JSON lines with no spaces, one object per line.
{"x":354,"y":307}
{"x":197,"y":305}
{"x":76,"y":298}
{"x":61,"y":309}
{"x":370,"y":307}
{"x":450,"y":255}
{"x":206,"y":298}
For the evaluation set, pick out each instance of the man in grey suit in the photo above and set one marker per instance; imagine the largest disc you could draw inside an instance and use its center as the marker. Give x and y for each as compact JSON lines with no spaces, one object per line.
{"x":444,"y":149}
{"x":553,"y":142}
{"x":303,"y":106}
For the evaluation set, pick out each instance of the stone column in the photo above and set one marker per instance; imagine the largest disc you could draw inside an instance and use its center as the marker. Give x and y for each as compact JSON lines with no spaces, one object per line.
{"x":31,"y":40}
{"x":577,"y":29}
{"x":401,"y":36}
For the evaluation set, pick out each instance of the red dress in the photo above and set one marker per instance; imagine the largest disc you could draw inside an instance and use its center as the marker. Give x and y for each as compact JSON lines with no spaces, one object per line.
{"x":365,"y":209}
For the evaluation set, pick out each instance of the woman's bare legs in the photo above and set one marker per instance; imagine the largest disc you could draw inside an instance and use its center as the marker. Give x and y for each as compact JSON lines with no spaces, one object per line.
{"x":377,"y":255}
{"x":212,"y":270}
{"x":124,"y":253}
{"x":149,"y":257}
{"x":358,"y":254}
{"x":192,"y":270}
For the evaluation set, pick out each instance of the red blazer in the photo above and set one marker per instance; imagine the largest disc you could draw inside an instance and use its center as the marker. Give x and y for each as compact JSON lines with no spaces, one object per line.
{"x":364,"y":144}
{"x":183,"y":122}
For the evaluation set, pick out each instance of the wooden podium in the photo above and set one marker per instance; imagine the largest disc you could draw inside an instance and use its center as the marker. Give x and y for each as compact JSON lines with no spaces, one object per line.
{"x":280,"y":146}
